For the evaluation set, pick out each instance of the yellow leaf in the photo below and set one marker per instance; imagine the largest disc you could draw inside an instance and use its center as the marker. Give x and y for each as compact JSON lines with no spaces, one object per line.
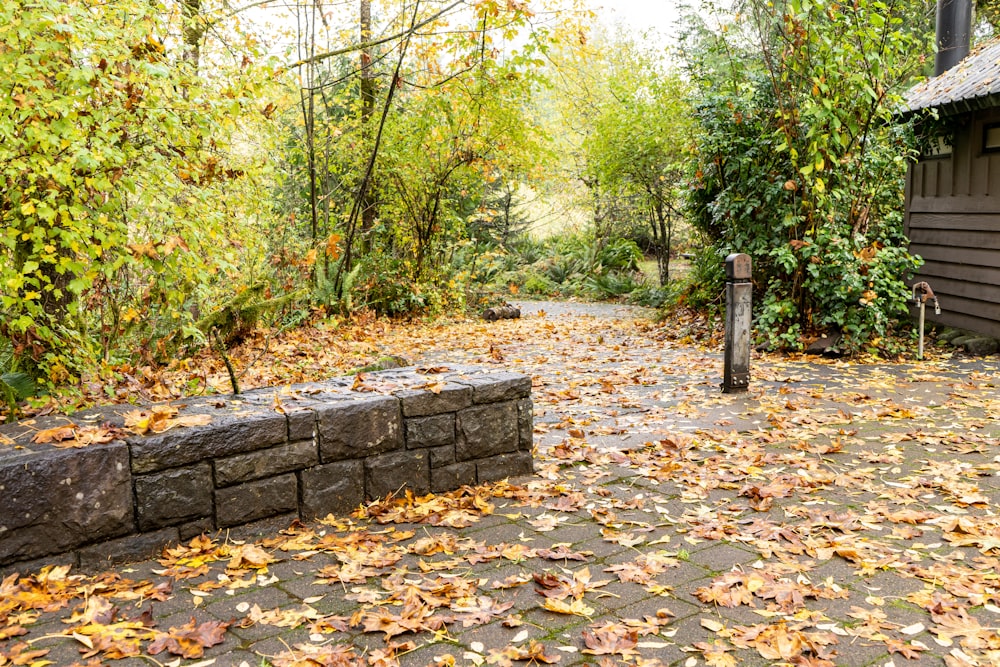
{"x":138,"y":421}
{"x":574,"y":608}
{"x":711,"y":624}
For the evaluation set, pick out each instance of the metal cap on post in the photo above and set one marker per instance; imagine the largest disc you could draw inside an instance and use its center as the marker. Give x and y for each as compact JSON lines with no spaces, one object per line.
{"x":736,"y":375}
{"x":738,"y":268}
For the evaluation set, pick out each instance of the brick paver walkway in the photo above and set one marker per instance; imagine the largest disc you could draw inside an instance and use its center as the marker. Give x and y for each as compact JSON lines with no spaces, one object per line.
{"x":836,"y":514}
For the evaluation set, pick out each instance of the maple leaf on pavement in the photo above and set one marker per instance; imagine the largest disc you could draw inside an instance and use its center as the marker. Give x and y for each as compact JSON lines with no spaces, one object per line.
{"x":190,"y":640}
{"x":650,"y":625}
{"x":731,"y":589}
{"x":716,"y":654}
{"x":779,"y":642}
{"x":312,"y":655}
{"x":21,"y":654}
{"x":534,"y":652}
{"x":905,"y":649}
{"x":562,"y":552}
{"x":282,"y":618}
{"x":480,"y":611}
{"x":960,"y":624}
{"x":249,"y":556}
{"x":611,"y":639}
{"x":576,"y":607}
{"x":97,"y":609}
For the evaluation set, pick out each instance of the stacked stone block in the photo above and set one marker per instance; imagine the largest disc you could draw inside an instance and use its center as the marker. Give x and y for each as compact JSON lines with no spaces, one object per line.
{"x":317,"y":449}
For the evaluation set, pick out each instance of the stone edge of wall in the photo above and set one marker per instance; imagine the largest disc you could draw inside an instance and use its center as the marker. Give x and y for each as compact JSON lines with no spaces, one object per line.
{"x":266,"y":457}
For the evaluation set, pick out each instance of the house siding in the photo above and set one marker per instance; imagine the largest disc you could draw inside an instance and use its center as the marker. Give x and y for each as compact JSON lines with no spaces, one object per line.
{"x":953,"y":222}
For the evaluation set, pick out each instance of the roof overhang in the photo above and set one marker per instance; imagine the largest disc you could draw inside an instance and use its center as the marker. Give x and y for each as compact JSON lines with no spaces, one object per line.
{"x":971,"y":85}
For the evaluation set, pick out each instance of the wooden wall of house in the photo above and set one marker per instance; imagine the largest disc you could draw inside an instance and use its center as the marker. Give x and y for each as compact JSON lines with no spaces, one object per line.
{"x":953,"y":222}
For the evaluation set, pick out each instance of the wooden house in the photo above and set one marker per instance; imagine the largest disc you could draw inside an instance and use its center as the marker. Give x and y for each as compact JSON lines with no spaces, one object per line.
{"x":953,"y":191}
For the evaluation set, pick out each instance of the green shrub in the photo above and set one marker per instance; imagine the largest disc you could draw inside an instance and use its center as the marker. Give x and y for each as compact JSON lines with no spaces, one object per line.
{"x":539,"y":285}
{"x":801,"y":164}
{"x":612,"y":284}
{"x":706,"y":283}
{"x":655,"y":296}
{"x":620,"y":255}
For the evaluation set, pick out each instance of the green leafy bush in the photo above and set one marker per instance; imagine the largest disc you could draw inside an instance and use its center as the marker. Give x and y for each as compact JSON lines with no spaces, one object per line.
{"x":114,"y":157}
{"x":801,"y":165}
{"x":539,"y":285}
{"x":620,"y":255}
{"x":611,"y":284}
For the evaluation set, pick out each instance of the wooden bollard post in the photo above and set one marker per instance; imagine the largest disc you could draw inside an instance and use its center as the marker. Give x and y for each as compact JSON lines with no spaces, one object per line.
{"x":736,"y":375}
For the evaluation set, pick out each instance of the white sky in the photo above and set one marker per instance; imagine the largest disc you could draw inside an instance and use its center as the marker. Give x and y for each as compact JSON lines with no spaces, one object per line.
{"x":640,"y":15}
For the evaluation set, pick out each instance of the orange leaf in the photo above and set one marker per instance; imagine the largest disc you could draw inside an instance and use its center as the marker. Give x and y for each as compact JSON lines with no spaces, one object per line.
{"x":55,"y":434}
{"x":333,"y":246}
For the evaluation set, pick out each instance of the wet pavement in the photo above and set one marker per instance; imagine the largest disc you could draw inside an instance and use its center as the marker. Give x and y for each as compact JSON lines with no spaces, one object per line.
{"x":836,"y":514}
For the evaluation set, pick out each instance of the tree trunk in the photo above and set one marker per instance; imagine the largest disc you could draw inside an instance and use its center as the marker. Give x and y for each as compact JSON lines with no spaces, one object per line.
{"x":193,"y":32}
{"x":663,"y":229}
{"x":368,"y":204}
{"x":665,"y":273}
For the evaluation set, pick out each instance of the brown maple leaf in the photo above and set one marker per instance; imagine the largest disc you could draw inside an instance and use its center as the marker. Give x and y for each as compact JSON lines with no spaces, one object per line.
{"x":716,"y":654}
{"x":960,"y":624}
{"x":312,"y":655}
{"x":249,"y":556}
{"x":611,"y":639}
{"x":562,"y":552}
{"x":480,"y":611}
{"x":905,"y":649}
{"x":21,"y":654}
{"x":780,"y":642}
{"x":189,"y":640}
{"x":85,"y":436}
{"x":55,"y":434}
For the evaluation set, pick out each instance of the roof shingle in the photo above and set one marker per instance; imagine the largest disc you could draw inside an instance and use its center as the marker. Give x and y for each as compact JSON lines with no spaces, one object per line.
{"x":972,"y":84}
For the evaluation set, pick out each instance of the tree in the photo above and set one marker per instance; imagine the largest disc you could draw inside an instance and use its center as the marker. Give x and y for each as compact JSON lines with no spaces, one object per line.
{"x":111,"y":183}
{"x":640,"y":140}
{"x":412,"y":137}
{"x":801,"y":162}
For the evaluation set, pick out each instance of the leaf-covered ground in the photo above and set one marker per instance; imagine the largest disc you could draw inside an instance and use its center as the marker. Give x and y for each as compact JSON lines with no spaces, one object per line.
{"x":837,"y":514}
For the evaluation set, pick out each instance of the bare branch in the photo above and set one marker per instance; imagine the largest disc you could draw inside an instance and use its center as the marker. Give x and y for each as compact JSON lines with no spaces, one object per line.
{"x":375,"y":42}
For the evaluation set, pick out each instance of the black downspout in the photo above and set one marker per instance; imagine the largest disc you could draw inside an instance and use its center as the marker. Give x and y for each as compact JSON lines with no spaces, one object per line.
{"x":954,"y":28}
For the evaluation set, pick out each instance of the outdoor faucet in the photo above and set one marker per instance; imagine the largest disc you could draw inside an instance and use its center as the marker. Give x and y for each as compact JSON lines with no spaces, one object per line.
{"x":921,"y":292}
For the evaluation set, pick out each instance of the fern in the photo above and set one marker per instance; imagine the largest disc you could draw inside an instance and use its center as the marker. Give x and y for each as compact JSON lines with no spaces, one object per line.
{"x":14,"y":388}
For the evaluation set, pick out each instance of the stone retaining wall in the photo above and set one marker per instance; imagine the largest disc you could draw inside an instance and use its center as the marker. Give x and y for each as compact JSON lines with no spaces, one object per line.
{"x":276,"y":454}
